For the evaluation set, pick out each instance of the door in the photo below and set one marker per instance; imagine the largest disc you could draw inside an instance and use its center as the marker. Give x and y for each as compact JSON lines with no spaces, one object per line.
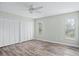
{"x":27,"y":30}
{"x":9,"y":32}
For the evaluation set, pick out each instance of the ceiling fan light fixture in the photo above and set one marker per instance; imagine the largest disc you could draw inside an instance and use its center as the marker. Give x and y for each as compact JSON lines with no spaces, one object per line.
{"x":33,"y":9}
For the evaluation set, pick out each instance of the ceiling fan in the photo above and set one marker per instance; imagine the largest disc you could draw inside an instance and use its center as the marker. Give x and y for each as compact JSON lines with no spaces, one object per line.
{"x":34,"y":9}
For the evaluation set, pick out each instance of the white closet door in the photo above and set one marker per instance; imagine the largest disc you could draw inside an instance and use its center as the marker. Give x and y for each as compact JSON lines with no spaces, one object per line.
{"x":1,"y":33}
{"x":9,"y":32}
{"x":26,"y":30}
{"x":21,"y":31}
{"x":30,"y":30}
{"x":5,"y":32}
{"x":14,"y":31}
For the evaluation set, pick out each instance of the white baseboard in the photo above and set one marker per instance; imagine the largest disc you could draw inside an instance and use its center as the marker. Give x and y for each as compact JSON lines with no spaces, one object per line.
{"x":60,"y":43}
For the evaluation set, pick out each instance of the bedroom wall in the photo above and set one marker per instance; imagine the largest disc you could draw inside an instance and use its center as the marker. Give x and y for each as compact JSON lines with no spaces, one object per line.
{"x":54,"y":28}
{"x":15,"y":28}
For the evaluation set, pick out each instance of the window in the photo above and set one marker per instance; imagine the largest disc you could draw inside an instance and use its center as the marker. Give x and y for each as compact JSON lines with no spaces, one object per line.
{"x":70,"y":29}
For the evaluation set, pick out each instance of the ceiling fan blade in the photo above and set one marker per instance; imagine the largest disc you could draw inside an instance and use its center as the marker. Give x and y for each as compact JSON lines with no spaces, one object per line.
{"x":34,"y":9}
{"x":37,"y":8}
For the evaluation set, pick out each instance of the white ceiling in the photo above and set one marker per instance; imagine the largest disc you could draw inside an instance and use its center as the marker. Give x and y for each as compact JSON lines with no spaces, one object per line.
{"x":49,"y":8}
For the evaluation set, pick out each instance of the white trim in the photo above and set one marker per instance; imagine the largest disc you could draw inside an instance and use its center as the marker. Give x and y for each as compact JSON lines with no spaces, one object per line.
{"x":74,"y":45}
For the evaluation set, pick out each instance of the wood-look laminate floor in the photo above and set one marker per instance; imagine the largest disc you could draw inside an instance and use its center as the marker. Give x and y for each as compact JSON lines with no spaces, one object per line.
{"x":38,"y":48}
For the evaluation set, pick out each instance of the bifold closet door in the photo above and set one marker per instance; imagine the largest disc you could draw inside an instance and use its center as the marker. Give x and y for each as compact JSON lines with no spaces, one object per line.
{"x":14,"y":31}
{"x":9,"y":32}
{"x":27,"y":28}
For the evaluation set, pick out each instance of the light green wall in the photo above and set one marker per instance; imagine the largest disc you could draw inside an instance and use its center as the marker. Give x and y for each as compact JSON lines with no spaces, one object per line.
{"x":54,"y":28}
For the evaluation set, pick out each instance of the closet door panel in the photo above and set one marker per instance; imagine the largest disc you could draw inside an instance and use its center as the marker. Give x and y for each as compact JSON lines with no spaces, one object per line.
{"x":5,"y":32}
{"x":21,"y":31}
{"x":26,"y":30}
{"x":1,"y":33}
{"x":30,"y":28}
{"x":14,"y":31}
{"x":9,"y":32}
